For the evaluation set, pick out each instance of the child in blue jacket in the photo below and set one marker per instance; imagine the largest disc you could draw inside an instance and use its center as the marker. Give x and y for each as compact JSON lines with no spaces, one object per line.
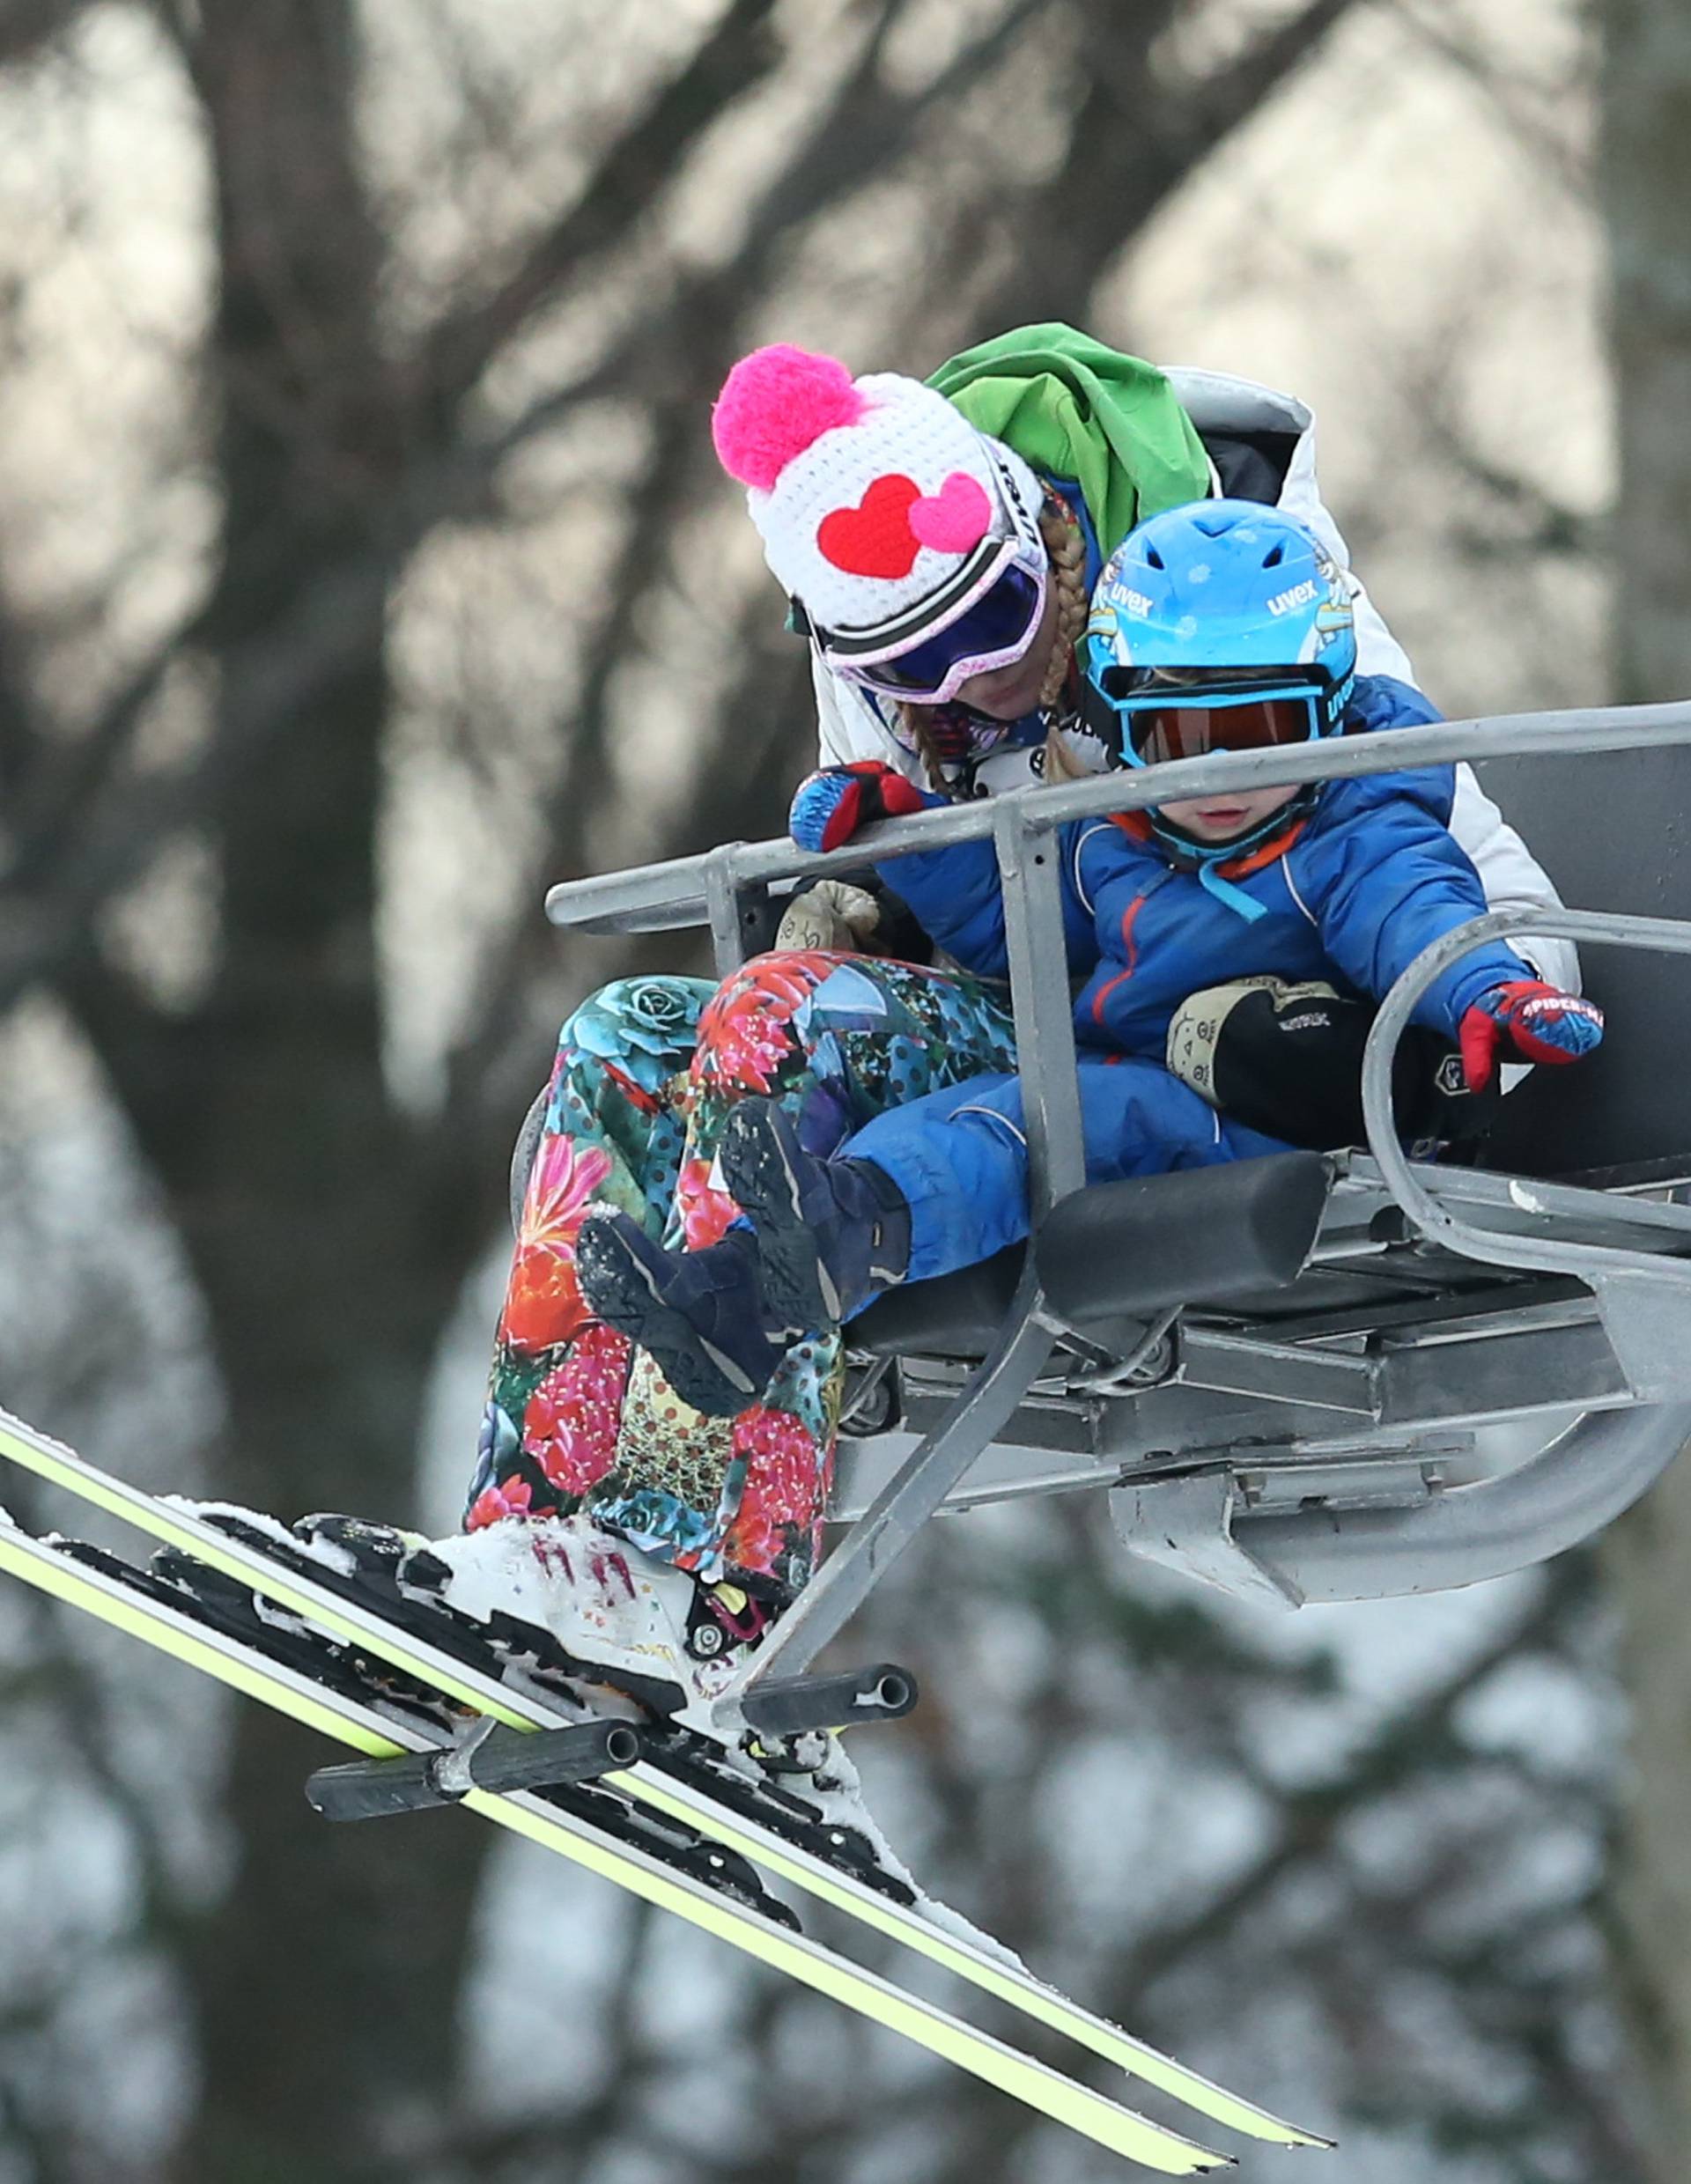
{"x":1220,"y":626}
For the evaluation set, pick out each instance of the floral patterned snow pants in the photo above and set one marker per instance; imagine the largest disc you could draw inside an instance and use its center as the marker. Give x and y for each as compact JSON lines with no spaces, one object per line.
{"x":646,"y":1071}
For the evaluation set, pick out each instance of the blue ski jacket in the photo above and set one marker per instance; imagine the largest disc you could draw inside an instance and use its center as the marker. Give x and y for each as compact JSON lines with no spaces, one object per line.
{"x":1350,"y":892}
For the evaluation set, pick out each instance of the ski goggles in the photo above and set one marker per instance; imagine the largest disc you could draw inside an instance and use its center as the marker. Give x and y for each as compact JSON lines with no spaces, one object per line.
{"x":1155,"y":725}
{"x":987,"y":618}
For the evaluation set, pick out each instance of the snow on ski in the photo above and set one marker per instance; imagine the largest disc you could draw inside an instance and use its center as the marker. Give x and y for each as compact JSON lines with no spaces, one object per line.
{"x":523,"y":1709}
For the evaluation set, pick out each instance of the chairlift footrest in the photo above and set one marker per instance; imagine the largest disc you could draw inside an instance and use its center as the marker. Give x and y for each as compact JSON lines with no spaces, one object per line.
{"x":506,"y":1759}
{"x":790,"y":1705}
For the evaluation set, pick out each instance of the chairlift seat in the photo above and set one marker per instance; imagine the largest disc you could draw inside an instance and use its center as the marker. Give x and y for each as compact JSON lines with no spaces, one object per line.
{"x":1621,"y":1120}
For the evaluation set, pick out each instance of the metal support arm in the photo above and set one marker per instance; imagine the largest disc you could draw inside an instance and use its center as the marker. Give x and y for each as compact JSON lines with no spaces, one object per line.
{"x":1586,"y":1477}
{"x":899,"y":1511}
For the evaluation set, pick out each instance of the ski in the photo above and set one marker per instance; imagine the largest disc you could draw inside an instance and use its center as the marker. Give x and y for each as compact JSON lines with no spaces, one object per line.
{"x":589,"y":1830}
{"x":688,"y":1791}
{"x":231,"y":1629}
{"x":512,"y":1658}
{"x":688,"y":1776}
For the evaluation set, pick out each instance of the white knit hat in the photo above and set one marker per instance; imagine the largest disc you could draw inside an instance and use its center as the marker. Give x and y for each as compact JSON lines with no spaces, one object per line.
{"x":879,"y":504}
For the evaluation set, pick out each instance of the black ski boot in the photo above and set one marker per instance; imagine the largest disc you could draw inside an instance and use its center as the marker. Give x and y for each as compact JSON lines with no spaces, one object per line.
{"x":700,"y":1314}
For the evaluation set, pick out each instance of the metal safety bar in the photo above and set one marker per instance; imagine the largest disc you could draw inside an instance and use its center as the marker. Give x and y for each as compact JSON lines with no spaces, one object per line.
{"x":664,"y":897}
{"x":1643,"y":1298}
{"x":902,"y":1506}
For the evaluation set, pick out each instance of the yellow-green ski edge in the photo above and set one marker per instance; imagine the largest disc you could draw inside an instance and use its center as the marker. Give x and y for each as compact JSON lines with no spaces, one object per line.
{"x":1077,"y":2108}
{"x":35,"y":1451}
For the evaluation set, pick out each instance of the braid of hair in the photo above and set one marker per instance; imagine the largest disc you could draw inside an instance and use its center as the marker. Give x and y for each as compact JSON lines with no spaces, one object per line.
{"x":1068,"y":549}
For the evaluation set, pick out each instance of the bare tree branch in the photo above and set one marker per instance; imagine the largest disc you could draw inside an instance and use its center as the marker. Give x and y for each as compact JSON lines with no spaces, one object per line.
{"x":20,"y":745}
{"x":71,"y":870}
{"x":868,"y":129}
{"x":1533,"y":519}
{"x":676,"y":359}
{"x":1136,"y":138}
{"x":675,"y":356}
{"x":739,"y":50}
{"x":1221,"y":102}
{"x":82,"y":1704}
{"x":1526,"y":117}
{"x":1399,"y":1751}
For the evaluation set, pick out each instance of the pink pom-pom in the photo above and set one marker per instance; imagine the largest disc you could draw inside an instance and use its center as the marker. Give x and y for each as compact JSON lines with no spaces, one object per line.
{"x":773,"y":404}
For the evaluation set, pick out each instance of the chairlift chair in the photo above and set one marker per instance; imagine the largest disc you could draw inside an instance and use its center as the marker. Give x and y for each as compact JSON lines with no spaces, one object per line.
{"x":1310,"y":1376}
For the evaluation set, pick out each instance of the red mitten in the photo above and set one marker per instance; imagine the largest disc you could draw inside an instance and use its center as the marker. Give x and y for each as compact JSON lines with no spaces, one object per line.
{"x":1526,"y":1021}
{"x":840,"y":801}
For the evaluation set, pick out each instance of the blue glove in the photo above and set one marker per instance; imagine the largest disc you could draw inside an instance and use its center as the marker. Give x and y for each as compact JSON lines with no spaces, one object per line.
{"x":840,"y":801}
{"x":1527,"y":1022}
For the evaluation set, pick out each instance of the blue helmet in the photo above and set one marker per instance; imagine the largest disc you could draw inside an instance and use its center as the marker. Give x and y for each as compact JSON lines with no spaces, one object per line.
{"x":1221,"y":606}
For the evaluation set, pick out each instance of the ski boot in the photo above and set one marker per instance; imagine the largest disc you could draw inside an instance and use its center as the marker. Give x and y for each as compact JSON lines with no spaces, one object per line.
{"x":629,"y":1630}
{"x":830,"y":1233}
{"x":560,"y":1596}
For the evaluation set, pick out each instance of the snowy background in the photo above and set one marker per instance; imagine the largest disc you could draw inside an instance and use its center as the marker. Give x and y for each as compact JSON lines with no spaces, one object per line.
{"x":1351,"y":1861}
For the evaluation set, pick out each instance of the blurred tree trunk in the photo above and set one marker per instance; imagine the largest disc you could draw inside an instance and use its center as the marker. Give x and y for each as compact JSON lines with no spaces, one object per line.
{"x":335,"y":1963}
{"x":1647,"y":164}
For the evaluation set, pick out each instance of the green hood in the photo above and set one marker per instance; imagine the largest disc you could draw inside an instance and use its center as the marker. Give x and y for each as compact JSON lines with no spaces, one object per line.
{"x":1073,"y":409}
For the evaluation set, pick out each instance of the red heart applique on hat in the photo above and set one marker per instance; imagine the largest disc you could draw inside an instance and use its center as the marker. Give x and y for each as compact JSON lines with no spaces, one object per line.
{"x":875,"y":538}
{"x":883,"y":536}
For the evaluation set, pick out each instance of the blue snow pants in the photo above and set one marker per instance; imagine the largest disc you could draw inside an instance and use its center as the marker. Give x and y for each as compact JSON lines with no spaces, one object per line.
{"x":960,"y":1155}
